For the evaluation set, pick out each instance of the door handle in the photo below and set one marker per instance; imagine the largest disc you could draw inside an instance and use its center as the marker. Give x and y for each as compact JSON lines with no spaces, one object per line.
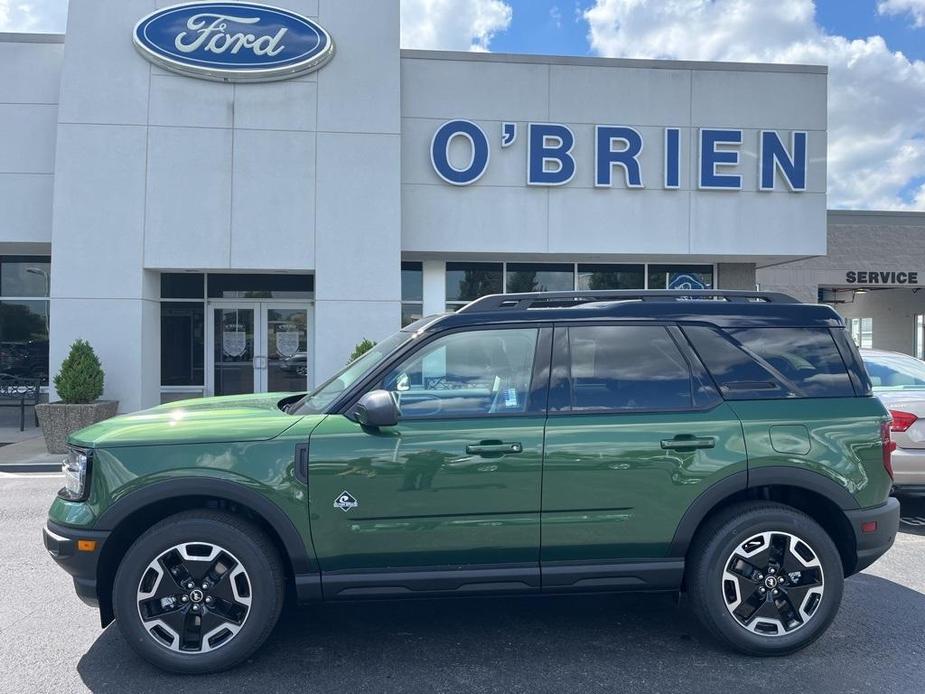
{"x":686,"y":442}
{"x":494,"y":449}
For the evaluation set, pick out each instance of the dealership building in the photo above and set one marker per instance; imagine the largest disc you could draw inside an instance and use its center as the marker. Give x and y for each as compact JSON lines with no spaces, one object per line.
{"x":213,"y":225}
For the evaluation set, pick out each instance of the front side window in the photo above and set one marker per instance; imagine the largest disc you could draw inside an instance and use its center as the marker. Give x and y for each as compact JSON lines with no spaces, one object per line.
{"x":479,"y":373}
{"x":627,"y":368}
{"x":319,"y":399}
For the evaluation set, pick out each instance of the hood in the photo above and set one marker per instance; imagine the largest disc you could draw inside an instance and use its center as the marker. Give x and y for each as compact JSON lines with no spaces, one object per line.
{"x":207,"y":420}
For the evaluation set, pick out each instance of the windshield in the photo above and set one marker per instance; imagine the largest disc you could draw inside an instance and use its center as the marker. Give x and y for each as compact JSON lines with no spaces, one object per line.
{"x":895,"y":371}
{"x":318,"y":400}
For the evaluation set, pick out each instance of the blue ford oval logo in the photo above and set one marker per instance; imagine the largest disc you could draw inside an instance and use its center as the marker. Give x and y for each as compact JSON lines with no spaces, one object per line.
{"x":233,"y":41}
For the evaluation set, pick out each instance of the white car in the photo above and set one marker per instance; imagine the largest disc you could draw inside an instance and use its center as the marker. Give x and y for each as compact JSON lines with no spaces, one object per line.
{"x":899,"y":382}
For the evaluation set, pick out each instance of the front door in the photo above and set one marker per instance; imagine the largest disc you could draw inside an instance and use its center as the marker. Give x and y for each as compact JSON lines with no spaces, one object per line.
{"x":456,"y":484}
{"x":258,"y":347}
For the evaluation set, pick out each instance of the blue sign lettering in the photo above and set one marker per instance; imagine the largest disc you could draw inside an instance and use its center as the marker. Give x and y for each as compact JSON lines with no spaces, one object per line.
{"x":233,"y":41}
{"x":711,"y":158}
{"x":672,"y":158}
{"x":773,"y":157}
{"x":549,"y":158}
{"x":626,"y":157}
{"x":440,"y":152}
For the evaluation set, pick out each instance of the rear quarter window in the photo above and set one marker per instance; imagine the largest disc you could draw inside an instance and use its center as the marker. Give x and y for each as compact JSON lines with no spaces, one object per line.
{"x":756,"y":363}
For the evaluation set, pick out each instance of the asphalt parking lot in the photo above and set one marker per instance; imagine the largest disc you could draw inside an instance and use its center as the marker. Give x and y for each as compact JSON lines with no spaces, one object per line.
{"x":51,"y":642}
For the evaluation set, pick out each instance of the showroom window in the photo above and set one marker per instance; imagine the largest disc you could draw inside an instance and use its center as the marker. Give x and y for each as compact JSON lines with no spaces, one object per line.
{"x":680,"y":277}
{"x":539,"y":277}
{"x":603,"y":277}
{"x":412,"y":292}
{"x":183,"y":332}
{"x":862,"y":332}
{"x":24,"y":316}
{"x":466,"y":282}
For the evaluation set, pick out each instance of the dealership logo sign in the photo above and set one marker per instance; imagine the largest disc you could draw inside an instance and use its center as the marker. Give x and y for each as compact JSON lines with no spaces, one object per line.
{"x":233,"y":41}
{"x":617,"y":150}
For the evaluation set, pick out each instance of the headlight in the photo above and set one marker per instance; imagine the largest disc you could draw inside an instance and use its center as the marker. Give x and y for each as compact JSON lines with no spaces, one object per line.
{"x":76,"y":468}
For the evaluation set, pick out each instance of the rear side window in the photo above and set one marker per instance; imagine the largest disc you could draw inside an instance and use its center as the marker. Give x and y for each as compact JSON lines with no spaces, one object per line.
{"x":626,"y":368}
{"x":773,"y":362}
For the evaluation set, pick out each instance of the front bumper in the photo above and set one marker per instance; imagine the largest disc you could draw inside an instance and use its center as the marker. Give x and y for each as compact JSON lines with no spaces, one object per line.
{"x":874,"y":543}
{"x":61,"y":542}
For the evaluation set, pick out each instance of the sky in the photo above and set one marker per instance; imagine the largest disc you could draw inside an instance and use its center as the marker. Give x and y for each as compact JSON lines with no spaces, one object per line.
{"x":875,"y":50}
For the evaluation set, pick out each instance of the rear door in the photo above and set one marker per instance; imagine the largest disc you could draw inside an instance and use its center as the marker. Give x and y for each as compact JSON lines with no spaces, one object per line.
{"x":455,"y":486}
{"x":635,"y":432}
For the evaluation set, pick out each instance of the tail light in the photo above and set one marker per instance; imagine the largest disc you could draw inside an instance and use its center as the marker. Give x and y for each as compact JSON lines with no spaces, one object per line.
{"x":888,"y":447}
{"x":902,"y":420}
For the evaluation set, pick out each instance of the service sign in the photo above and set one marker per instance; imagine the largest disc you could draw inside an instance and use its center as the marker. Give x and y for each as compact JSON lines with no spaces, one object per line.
{"x":233,"y":41}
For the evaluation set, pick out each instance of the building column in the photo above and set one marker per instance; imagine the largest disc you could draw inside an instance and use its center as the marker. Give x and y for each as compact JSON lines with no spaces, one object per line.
{"x":358,"y":182}
{"x":434,"y":272}
{"x":739,"y":276}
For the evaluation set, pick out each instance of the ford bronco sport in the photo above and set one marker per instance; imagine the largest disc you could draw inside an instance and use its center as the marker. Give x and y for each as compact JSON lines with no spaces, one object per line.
{"x":723,"y":444}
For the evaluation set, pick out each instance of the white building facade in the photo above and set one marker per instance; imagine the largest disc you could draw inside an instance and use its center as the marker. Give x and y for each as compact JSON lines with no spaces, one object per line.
{"x":219,"y":237}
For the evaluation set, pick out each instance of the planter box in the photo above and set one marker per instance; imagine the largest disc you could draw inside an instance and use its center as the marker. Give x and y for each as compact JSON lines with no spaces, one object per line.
{"x":58,"y":420}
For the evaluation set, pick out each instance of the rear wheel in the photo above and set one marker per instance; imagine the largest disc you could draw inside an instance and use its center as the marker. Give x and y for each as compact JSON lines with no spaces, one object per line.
{"x":764,"y":578}
{"x":198,"y":592}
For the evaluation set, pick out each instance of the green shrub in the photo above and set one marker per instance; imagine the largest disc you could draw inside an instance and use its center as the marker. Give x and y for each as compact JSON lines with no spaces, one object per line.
{"x":80,"y":379}
{"x":361,"y":349}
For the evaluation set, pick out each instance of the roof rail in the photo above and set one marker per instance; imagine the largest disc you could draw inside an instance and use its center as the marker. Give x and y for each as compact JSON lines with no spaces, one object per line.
{"x":515,"y":302}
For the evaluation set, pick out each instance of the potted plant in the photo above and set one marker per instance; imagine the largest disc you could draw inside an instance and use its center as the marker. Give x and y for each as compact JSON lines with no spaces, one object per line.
{"x":361,"y":349}
{"x":79,"y":384}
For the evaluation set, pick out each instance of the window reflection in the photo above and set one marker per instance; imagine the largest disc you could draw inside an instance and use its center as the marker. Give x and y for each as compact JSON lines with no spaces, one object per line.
{"x":24,"y":339}
{"x":182,"y":344}
{"x":540,"y":277}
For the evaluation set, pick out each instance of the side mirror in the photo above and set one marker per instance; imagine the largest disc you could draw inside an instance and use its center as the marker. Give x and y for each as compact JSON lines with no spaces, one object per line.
{"x":377,"y":409}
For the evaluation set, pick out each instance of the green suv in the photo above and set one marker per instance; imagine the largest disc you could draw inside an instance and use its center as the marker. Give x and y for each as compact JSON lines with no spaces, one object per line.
{"x":723,"y":444}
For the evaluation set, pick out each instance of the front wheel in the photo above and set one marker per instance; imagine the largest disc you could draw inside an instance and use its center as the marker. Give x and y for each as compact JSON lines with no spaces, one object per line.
{"x":765,"y":578}
{"x":199,"y":592}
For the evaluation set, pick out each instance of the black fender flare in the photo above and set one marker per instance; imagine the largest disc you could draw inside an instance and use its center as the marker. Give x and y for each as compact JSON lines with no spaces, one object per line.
{"x":774,"y":475}
{"x":234,"y":492}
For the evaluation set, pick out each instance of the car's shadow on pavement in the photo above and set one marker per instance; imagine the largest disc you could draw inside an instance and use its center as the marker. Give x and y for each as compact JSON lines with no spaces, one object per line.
{"x":624,"y":643}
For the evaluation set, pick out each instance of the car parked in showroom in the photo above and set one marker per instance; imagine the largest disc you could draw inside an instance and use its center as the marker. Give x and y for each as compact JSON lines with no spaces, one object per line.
{"x":899,"y":381}
{"x":725,"y":444}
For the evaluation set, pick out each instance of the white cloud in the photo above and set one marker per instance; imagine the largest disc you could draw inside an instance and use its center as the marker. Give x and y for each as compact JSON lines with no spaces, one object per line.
{"x":914,"y":8}
{"x":460,"y":25}
{"x":33,"y":15}
{"x":555,"y":16}
{"x":876,"y":96}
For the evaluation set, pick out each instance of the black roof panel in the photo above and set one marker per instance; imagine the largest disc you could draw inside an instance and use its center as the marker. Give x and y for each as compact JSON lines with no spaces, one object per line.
{"x":718,"y":307}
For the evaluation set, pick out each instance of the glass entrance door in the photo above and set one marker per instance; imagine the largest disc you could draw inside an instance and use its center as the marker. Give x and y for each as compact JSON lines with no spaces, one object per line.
{"x":258,"y":347}
{"x":286,"y":364}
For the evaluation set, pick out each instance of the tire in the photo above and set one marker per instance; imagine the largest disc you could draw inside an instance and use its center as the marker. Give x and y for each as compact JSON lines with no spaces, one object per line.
{"x":722,"y":578}
{"x":237,"y":592}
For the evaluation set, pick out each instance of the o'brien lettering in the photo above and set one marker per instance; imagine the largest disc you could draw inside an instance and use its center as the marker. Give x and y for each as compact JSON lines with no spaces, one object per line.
{"x":617,"y":155}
